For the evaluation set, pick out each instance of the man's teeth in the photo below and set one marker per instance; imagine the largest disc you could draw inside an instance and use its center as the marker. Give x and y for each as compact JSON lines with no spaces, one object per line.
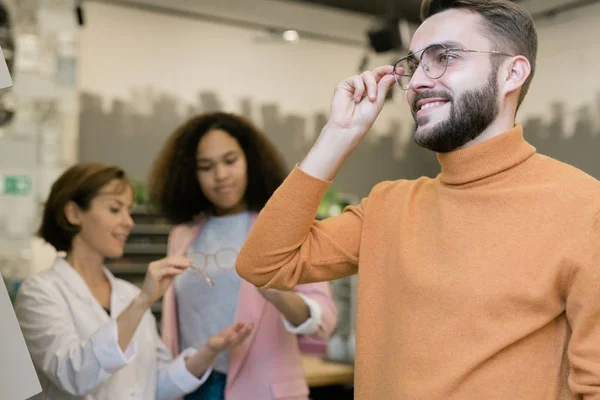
{"x":433,"y":104}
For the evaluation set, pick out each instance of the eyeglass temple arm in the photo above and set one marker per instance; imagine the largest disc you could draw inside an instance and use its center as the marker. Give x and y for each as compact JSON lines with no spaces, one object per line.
{"x":482,"y":51}
{"x":198,"y":270}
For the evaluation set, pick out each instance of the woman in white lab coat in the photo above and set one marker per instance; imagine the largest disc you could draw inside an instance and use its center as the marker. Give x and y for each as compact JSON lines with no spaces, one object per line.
{"x":91,"y":335}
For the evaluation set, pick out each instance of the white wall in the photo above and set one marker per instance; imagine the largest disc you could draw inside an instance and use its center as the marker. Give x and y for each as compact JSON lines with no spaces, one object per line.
{"x":568,"y":61}
{"x":123,"y":48}
{"x":181,"y":56}
{"x":136,"y":56}
{"x":312,"y":18}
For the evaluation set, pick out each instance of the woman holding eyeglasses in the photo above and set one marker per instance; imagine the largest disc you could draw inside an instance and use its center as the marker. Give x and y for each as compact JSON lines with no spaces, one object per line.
{"x":90,"y":335}
{"x":213,"y":176}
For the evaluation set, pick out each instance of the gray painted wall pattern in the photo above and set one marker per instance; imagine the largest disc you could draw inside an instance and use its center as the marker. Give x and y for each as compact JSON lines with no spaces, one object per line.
{"x":124,"y":136}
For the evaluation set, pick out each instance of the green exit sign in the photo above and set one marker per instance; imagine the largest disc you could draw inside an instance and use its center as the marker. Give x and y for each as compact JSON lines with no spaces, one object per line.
{"x":15,"y":185}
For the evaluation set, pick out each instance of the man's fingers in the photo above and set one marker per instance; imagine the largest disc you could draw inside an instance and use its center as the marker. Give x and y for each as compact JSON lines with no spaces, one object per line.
{"x":380,"y":72}
{"x":359,"y":88}
{"x":384,"y":85}
{"x":370,"y":83}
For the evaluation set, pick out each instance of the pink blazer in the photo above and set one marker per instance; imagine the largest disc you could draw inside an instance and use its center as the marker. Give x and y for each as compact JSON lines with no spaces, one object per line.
{"x":267,"y":364}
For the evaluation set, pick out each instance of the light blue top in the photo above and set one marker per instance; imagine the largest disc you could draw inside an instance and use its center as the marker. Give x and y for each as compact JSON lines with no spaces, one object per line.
{"x":204,"y":310}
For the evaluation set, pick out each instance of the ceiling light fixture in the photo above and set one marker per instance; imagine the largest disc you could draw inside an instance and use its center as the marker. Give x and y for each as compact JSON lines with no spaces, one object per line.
{"x":291,"y":36}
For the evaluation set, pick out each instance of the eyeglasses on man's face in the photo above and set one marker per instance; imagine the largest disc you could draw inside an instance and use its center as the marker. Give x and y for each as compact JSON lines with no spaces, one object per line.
{"x":434,"y":61}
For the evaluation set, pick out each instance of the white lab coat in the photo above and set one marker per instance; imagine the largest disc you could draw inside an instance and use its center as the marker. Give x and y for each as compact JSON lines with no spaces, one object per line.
{"x":74,"y":343}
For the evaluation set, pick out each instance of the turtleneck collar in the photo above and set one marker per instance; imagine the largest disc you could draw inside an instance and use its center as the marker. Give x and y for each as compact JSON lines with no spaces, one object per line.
{"x":485,"y":159}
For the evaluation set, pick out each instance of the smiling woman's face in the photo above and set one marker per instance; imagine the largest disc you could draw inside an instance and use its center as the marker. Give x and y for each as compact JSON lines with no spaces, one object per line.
{"x":105,"y":226}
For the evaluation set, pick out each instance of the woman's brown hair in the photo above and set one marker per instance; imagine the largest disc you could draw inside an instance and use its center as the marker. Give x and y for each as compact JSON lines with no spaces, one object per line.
{"x":173,"y":182}
{"x":79,"y":184}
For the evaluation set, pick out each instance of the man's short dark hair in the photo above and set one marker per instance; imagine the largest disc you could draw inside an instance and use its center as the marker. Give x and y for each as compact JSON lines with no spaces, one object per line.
{"x":508,"y":26}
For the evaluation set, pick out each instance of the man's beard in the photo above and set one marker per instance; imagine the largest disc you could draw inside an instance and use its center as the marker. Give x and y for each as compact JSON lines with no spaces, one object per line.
{"x":470,"y":114}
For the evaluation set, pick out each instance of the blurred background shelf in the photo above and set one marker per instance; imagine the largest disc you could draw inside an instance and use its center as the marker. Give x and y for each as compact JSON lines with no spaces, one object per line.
{"x":128,"y":269}
{"x":144,"y":248}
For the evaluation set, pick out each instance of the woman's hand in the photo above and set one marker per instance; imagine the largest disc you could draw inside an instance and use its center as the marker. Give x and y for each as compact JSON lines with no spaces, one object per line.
{"x":160,"y":275}
{"x":229,"y":337}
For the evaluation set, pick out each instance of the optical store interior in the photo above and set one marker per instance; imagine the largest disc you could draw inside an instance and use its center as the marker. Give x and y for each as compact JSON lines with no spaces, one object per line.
{"x":115,"y":81}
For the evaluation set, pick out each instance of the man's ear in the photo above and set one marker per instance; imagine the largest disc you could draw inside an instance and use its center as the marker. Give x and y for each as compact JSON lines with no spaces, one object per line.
{"x":73,"y":213}
{"x":517,"y":73}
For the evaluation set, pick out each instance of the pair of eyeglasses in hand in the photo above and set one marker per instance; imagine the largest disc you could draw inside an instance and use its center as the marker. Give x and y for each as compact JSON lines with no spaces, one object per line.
{"x":224,"y":259}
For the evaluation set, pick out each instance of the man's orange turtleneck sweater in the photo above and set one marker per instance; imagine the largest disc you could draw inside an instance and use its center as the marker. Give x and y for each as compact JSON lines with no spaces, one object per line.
{"x":483,"y":283}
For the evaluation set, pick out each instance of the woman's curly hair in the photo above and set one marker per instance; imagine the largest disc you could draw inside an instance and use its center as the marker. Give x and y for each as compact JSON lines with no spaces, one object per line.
{"x":173,"y":181}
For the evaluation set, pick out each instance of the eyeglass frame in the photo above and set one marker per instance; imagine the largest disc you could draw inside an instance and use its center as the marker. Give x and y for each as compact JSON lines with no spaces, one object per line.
{"x":447,"y":49}
{"x":207,"y":257}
